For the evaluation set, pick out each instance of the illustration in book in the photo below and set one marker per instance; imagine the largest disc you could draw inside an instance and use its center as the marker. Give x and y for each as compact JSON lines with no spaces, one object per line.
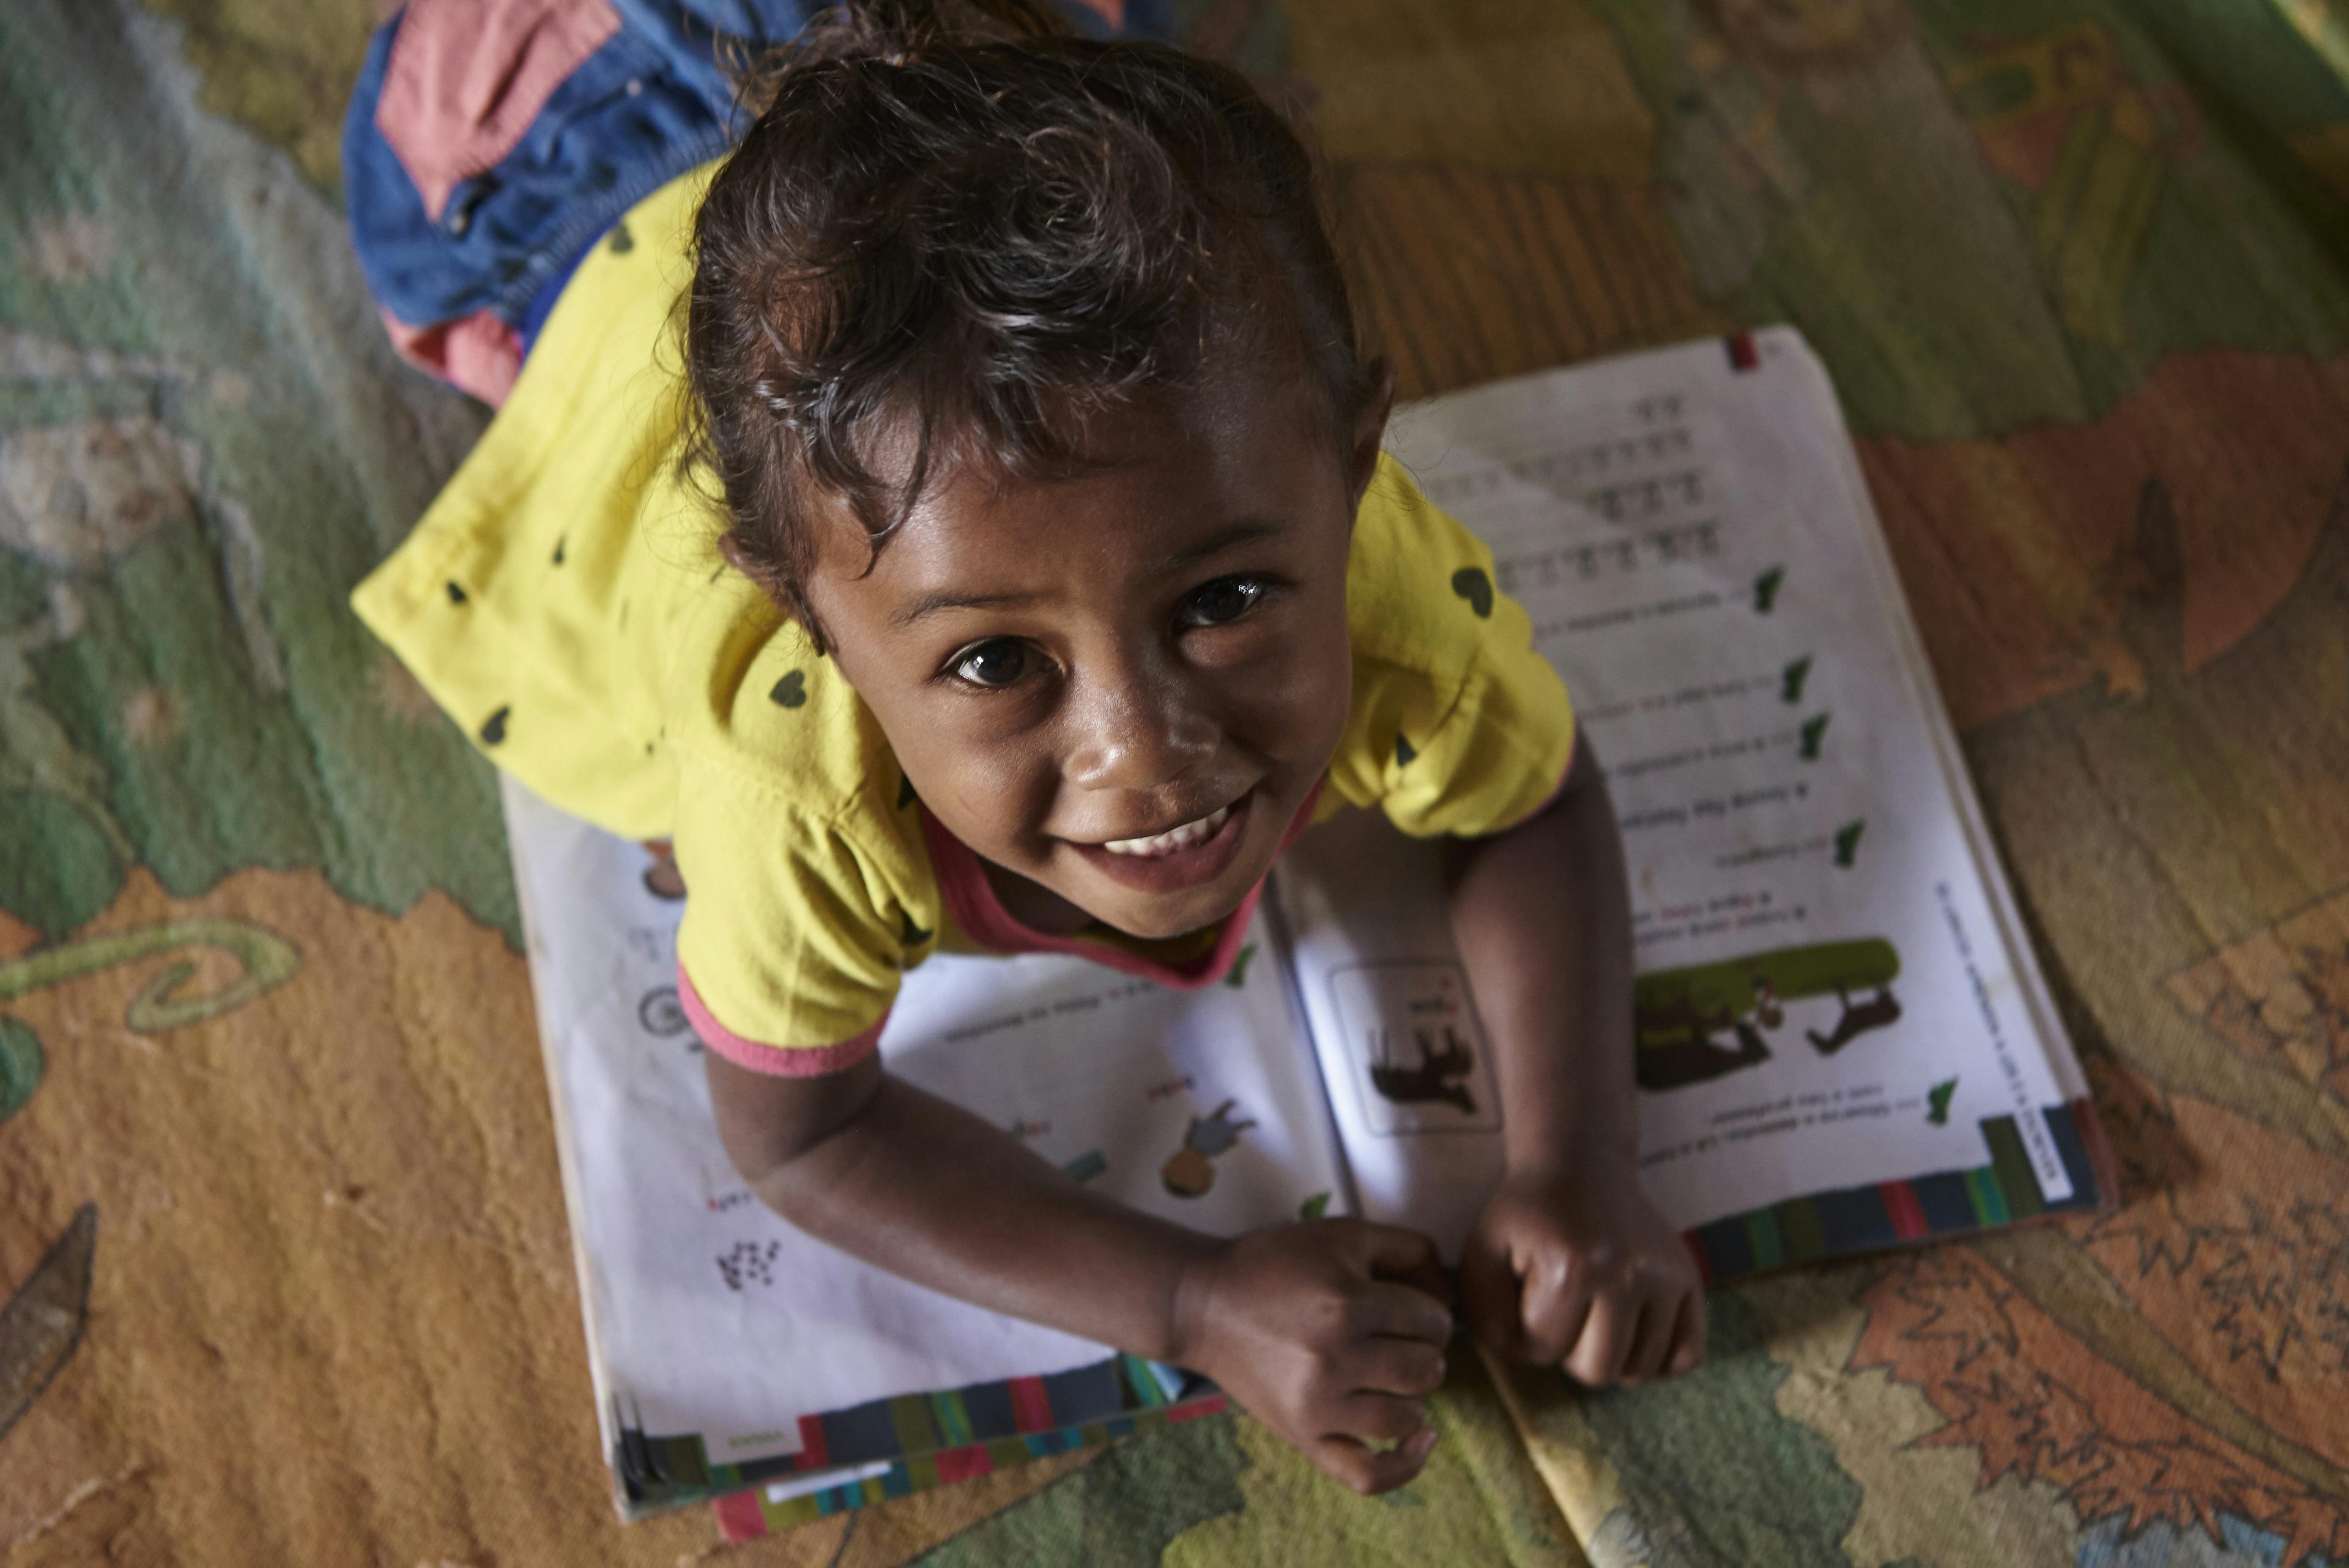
{"x":1680,"y":1014}
{"x":1419,"y":1058}
{"x":1190,"y":1171}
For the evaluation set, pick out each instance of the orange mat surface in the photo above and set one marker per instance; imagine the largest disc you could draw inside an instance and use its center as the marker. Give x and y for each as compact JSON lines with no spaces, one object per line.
{"x":284,"y":1270}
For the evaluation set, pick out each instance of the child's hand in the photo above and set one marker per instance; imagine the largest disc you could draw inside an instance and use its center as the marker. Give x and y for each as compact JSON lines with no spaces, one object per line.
{"x":1308,"y":1326}
{"x":1575,"y":1268}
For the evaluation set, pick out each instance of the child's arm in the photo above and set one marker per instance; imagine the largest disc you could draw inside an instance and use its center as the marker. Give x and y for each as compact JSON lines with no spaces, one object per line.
{"x":1303,"y":1325}
{"x":1569,"y":1263}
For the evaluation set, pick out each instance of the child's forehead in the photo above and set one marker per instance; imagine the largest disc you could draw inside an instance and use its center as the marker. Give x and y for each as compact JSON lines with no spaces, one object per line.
{"x":1157,"y":489}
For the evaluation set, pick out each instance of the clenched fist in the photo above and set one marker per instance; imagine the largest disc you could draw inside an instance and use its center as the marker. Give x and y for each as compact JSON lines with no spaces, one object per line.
{"x":1312,"y":1329}
{"x":1574,"y":1268}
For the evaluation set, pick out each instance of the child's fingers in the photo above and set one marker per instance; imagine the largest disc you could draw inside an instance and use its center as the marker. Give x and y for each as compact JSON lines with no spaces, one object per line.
{"x":1433,"y":1281}
{"x":1555,"y":1312}
{"x":1404,"y":1312}
{"x":1598,"y":1353}
{"x":1350,"y":1463}
{"x":1659,"y":1316}
{"x":1392,"y":1249}
{"x":1687,"y":1336}
{"x":1382,"y":1418}
{"x":1488,"y":1295}
{"x":1407,"y":1366}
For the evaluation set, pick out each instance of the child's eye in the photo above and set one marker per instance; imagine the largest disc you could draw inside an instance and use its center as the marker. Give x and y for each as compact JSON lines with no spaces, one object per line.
{"x":1224,"y":599}
{"x":997,"y":662}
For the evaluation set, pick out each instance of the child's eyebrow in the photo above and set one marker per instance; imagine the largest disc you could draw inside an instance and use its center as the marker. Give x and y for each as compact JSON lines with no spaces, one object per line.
{"x":933,"y":603}
{"x":1223,"y":539}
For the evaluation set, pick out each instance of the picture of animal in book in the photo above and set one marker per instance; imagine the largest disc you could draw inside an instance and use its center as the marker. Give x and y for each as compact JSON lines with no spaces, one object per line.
{"x":1437,"y":1073}
{"x":1190,"y":1171}
{"x":1681,"y":1016}
{"x":1418,"y":1052}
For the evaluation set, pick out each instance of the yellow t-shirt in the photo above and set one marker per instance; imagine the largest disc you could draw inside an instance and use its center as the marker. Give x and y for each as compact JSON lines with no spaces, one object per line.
{"x":565,"y":601}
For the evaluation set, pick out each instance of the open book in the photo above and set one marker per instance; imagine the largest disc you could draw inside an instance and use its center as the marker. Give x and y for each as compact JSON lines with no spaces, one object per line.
{"x":1843,"y":1041}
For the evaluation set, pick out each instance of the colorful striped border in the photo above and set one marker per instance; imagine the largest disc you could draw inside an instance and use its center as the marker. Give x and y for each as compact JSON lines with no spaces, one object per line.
{"x":744,"y":1515}
{"x":936,"y":1438}
{"x":1923,"y":1209}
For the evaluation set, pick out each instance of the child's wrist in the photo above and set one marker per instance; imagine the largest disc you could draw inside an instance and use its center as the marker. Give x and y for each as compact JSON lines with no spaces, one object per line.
{"x":1573,"y":1157}
{"x":1191,"y":1303}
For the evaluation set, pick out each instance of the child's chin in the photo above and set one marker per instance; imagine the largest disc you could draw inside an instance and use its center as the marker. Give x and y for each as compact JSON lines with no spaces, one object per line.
{"x":1164,"y":918}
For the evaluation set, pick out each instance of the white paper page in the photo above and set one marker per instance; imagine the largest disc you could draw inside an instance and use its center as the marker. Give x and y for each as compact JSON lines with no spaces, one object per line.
{"x":709,"y":1314}
{"x":1689,"y":542}
{"x":2063,"y":1061}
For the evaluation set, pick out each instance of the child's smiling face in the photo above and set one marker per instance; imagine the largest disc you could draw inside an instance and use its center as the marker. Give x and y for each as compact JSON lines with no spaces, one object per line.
{"x":1069,"y":668}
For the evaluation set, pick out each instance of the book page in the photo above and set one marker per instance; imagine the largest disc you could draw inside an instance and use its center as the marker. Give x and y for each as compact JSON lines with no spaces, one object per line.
{"x":708,"y":1315}
{"x":1833,"y":990}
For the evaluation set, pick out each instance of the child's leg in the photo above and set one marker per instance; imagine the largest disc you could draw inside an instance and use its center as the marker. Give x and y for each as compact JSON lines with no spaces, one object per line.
{"x":490,"y":143}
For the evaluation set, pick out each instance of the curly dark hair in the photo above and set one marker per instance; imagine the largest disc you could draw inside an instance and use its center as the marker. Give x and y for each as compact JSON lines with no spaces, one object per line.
{"x":957,"y":229}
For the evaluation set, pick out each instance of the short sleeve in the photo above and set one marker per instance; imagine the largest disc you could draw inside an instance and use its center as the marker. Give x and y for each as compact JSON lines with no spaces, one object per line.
{"x":1458,"y":725}
{"x":793,"y":942}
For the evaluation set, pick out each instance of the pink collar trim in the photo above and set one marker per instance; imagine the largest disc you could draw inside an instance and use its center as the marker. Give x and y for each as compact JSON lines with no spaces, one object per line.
{"x":970,"y":898}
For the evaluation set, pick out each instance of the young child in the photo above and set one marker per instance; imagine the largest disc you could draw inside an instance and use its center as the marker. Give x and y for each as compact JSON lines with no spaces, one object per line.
{"x":1031,"y":578}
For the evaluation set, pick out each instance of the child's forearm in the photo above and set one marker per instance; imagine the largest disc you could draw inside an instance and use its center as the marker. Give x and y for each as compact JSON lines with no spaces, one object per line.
{"x":918,"y":1187}
{"x":1568,"y":1263}
{"x":1304,"y":1325}
{"x":1542,"y":915}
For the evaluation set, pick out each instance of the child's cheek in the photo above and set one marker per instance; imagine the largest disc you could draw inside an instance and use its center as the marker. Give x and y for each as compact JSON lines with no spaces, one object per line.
{"x":1298,"y":696}
{"x":993,"y":797}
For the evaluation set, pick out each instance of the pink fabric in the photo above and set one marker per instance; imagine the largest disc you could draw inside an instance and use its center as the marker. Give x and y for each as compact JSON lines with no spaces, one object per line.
{"x":467,"y":77}
{"x":971,"y":897}
{"x":775,"y":1061}
{"x":478,"y":353}
{"x":1110,"y":11}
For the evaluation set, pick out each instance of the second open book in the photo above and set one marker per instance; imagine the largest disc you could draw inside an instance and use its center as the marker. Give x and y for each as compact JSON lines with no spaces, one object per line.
{"x":1843,"y":1041}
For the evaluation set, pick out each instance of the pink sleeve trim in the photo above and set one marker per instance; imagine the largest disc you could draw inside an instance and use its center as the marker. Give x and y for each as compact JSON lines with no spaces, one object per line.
{"x":477,"y":354}
{"x":775,"y":1061}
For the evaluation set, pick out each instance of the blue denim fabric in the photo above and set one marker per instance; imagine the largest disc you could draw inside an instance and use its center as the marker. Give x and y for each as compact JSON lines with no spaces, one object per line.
{"x":652,"y":102}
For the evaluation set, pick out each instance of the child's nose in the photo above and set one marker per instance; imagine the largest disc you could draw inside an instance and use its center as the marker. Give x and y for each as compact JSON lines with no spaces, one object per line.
{"x":1138,"y":728}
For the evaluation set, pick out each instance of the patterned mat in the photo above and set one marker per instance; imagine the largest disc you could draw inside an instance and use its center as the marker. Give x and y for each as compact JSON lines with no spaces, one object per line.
{"x":284,"y":1273}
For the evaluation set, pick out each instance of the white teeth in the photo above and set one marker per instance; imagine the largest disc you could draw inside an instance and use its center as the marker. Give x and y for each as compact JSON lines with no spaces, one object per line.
{"x":1172,"y":839}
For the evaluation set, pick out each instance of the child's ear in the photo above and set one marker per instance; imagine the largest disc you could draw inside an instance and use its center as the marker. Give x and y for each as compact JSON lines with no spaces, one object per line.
{"x":1370,"y":427}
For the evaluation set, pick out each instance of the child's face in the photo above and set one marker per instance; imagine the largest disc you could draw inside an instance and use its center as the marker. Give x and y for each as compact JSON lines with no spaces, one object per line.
{"x":1070,"y":671}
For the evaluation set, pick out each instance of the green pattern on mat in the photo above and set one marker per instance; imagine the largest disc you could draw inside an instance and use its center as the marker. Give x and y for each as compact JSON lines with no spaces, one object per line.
{"x":1120,"y":1510}
{"x":1712,"y":1472}
{"x":1478,"y":1501}
{"x":1866,"y":211}
{"x":180,"y":682}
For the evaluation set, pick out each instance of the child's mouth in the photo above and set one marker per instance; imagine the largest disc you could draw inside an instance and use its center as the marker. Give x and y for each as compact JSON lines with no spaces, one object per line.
{"x":1182,"y":857}
{"x":1172,"y":839}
